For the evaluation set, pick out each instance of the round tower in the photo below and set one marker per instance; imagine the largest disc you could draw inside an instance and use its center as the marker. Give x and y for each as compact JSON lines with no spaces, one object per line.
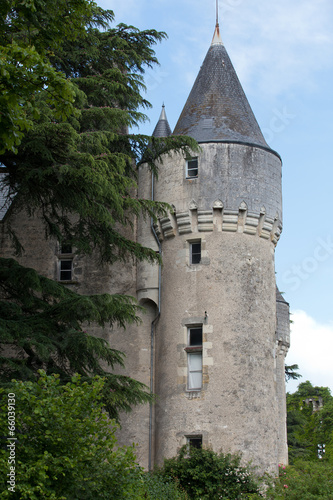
{"x":215,"y":339}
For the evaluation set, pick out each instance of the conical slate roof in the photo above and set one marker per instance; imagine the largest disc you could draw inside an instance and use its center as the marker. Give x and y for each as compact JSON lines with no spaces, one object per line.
{"x":217,"y":109}
{"x":162,"y":128}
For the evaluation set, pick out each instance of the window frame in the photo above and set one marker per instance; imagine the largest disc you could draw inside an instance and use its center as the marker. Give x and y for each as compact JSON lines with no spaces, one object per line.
{"x":194,"y":350}
{"x":65,"y":270}
{"x":65,"y":256}
{"x":192,"y":243}
{"x":194,"y":437}
{"x":190,"y":169}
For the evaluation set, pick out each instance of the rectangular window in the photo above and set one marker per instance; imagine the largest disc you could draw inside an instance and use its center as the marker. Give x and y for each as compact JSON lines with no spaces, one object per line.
{"x":65,"y":269}
{"x":192,"y":168}
{"x":195,"y":336}
{"x":194,"y":441}
{"x":194,"y":370}
{"x":195,"y":252}
{"x":65,"y":264}
{"x":194,"y":358}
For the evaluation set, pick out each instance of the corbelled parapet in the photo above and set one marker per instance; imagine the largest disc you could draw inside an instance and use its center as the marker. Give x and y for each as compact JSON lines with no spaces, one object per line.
{"x":220,"y":219}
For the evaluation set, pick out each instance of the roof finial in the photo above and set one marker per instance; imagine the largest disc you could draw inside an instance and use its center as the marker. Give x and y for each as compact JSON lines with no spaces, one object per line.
{"x":217,"y":37}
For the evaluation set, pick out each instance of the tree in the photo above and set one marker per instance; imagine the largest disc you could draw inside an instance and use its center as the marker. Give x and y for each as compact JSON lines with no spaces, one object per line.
{"x":29,"y":32}
{"x":66,"y":446}
{"x":309,"y":422}
{"x":79,"y":176}
{"x":41,"y":326}
{"x":290,"y":372}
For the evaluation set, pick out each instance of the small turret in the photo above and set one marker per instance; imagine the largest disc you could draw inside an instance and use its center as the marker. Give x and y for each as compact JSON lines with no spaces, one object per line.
{"x":162,"y":128}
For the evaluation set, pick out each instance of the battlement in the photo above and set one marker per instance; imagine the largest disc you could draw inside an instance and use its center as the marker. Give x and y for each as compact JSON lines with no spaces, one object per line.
{"x":219,"y":219}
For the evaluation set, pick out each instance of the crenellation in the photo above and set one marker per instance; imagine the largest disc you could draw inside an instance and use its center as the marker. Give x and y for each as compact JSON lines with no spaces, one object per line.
{"x":267,"y":228}
{"x":230,"y":220}
{"x":277,"y":230}
{"x":167,"y":227}
{"x":251,"y":223}
{"x":183,"y":222}
{"x":205,"y":220}
{"x":219,"y":219}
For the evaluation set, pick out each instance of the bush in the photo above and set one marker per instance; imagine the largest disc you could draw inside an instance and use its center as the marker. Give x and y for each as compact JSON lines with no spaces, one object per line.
{"x":304,"y":480}
{"x":66,"y":445}
{"x":205,"y":475}
{"x":159,"y":487}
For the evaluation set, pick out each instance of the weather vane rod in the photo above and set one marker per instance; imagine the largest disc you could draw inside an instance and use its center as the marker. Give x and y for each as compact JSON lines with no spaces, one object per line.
{"x":217,"y":12}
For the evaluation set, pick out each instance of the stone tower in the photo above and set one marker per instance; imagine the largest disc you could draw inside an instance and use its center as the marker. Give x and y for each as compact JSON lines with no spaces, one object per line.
{"x":221,"y":329}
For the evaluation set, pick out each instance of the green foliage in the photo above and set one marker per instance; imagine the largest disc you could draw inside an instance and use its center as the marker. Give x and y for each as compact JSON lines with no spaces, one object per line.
{"x":29,"y":31}
{"x":290,"y":372}
{"x":303,"y":481}
{"x":66,"y":446}
{"x":43,"y":325}
{"x":204,"y":475}
{"x":158,"y":487}
{"x":309,"y":425}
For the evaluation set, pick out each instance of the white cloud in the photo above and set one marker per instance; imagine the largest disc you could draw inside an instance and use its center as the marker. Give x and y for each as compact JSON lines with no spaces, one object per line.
{"x":280,"y":44}
{"x":311,"y":348}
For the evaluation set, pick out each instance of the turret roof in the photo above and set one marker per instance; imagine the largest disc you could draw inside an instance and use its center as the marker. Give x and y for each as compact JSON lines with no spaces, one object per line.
{"x":279,"y":297}
{"x":217,"y":109}
{"x":162,"y":128}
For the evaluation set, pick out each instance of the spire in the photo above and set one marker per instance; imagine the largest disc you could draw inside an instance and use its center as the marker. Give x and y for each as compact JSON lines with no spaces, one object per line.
{"x":162,"y":128}
{"x":217,"y":109}
{"x":217,"y":37}
{"x":217,"y":40}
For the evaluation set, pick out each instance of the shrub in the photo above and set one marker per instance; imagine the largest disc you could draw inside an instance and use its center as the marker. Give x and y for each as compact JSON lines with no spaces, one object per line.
{"x":159,"y":487}
{"x":204,"y":475}
{"x":304,"y":480}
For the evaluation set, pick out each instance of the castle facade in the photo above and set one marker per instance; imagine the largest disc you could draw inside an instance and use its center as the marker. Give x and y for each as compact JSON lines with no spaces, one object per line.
{"x":213,"y":340}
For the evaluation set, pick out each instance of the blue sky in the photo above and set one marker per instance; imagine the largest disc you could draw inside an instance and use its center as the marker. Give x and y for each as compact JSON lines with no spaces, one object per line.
{"x":283,"y":54}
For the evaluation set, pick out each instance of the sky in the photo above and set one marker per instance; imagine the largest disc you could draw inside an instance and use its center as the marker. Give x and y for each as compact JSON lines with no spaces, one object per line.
{"x":283,"y":55}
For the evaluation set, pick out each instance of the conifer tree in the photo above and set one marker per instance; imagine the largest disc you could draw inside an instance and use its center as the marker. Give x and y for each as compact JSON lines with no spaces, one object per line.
{"x":78,"y":174}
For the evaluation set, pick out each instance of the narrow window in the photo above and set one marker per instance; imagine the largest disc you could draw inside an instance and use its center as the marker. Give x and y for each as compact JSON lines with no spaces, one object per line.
{"x":194,"y":358}
{"x":195,"y":252}
{"x":65,"y":264}
{"x":194,"y":442}
{"x":65,"y":270}
{"x":192,"y":168}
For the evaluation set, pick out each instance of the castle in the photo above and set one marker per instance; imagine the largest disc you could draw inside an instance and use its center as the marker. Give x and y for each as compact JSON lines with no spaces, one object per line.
{"x":213,"y":340}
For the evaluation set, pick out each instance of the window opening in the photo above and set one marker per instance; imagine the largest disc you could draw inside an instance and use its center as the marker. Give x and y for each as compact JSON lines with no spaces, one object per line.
{"x":65,"y":265}
{"x":194,"y":358}
{"x":194,"y":442}
{"x":65,"y":270}
{"x":195,"y":336}
{"x":195,"y":252}
{"x":192,"y":168}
